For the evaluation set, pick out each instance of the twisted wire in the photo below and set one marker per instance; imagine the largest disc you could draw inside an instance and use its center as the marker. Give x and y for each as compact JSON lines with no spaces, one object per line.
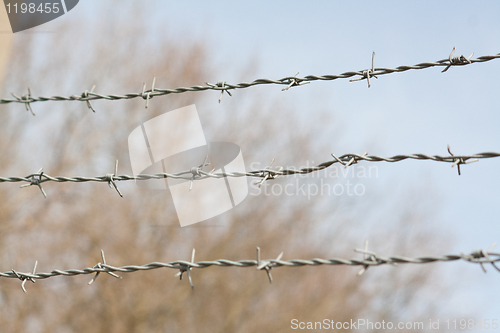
{"x":222,"y":86}
{"x":479,"y":257}
{"x":198,"y":174}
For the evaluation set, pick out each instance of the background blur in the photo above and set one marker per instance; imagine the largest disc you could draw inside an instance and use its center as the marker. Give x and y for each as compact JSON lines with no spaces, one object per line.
{"x":413,"y":208}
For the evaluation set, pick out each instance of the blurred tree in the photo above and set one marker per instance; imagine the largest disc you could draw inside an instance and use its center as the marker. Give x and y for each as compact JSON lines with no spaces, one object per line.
{"x":68,"y":229}
{"x":5,"y":41}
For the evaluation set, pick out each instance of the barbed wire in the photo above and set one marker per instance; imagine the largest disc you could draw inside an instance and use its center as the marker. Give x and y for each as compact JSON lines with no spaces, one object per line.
{"x":223,"y":86}
{"x":370,"y":259}
{"x":197,"y":173}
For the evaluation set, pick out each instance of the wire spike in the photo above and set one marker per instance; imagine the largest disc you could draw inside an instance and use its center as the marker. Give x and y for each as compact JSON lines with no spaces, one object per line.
{"x":295,"y":82}
{"x":365,"y":257}
{"x":353,"y":160}
{"x":267,"y":174}
{"x":366,"y":74}
{"x":111,"y":180}
{"x":147,"y":95}
{"x":36,"y":181}
{"x":26,"y":99}
{"x":457,"y":161}
{"x":85,"y":94}
{"x":460,"y":60}
{"x":266,"y":264}
{"x":220,"y":84}
{"x":186,"y":268}
{"x":102,"y":266}
{"x":23,"y":277}
{"x":196,"y":171}
{"x":338,"y":160}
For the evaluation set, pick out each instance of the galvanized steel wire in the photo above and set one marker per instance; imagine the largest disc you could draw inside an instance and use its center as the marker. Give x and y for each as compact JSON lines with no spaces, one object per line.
{"x":196,"y":173}
{"x":289,"y":81}
{"x":370,"y":259}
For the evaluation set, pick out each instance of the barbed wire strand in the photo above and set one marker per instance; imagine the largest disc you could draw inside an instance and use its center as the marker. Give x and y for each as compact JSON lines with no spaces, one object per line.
{"x":223,"y":86}
{"x":370,"y":259}
{"x":196,"y":173}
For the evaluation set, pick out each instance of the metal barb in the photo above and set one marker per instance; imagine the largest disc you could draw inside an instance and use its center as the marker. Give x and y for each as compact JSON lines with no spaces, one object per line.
{"x":36,"y":181}
{"x":26,"y":99}
{"x":366,"y":257}
{"x":186,"y":268}
{"x":147,"y":95}
{"x":111,"y":181}
{"x":267,"y":174}
{"x":367,"y":73}
{"x":23,"y":277}
{"x":102,"y":266}
{"x":196,"y":171}
{"x":338,"y":159}
{"x":85,"y":94}
{"x":462,"y":160}
{"x":354,"y":161}
{"x":266,"y":264}
{"x":220,"y":84}
{"x":477,"y":255}
{"x":295,"y":82}
{"x":461,"y":60}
